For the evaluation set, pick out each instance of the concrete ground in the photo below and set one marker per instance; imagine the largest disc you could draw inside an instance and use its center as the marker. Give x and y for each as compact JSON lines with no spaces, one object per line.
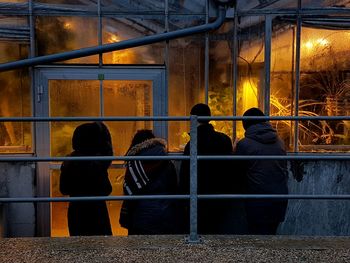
{"x":175,"y":249}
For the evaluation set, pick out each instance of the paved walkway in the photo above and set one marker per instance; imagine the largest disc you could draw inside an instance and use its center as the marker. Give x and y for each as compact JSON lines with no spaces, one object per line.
{"x":174,"y":249}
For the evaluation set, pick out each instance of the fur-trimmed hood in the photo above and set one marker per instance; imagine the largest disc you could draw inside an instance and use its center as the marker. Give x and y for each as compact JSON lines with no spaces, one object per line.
{"x":155,"y":146}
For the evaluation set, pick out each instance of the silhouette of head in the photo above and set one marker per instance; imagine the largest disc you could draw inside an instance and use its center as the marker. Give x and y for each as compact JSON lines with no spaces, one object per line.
{"x":252,"y":112}
{"x":141,"y":136}
{"x":201,"y":109}
{"x":87,"y":138}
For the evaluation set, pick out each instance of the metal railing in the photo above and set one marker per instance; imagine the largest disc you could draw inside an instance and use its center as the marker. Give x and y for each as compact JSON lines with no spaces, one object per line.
{"x":193,"y":158}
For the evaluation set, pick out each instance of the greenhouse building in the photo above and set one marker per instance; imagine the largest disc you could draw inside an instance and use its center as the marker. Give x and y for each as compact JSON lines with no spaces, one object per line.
{"x":158,"y":58}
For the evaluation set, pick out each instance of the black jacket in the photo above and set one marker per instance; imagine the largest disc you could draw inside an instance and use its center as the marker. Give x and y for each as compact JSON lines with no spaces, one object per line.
{"x":264,"y":176}
{"x":155,"y":177}
{"x":88,"y":178}
{"x":214,"y":177}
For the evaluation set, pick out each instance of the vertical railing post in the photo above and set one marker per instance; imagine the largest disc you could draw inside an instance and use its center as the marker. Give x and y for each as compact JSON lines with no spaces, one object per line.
{"x":193,"y":181}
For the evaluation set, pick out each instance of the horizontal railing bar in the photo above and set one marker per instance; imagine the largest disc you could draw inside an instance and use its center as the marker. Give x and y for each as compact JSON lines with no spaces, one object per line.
{"x":179,"y":157}
{"x":91,"y":158}
{"x":175,"y":197}
{"x":172,"y":118}
{"x":270,"y":196}
{"x":68,"y":119}
{"x":276,"y":157}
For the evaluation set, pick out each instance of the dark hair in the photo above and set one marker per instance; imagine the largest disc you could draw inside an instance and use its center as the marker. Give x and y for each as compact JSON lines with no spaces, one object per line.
{"x":86,"y":138}
{"x":201,"y":109}
{"x":141,"y":136}
{"x":252,"y":112}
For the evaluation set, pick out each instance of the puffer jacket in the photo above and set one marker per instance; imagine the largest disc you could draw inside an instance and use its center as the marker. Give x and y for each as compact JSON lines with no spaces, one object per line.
{"x":154,"y":177}
{"x":264,"y":176}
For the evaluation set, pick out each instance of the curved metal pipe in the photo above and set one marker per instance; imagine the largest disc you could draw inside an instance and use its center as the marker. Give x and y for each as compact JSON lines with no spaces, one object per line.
{"x":136,"y":42}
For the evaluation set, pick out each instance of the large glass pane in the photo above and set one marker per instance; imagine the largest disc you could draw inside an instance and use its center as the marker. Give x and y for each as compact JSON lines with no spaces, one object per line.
{"x":70,"y":98}
{"x":282,"y":80}
{"x":60,"y":34}
{"x":81,"y":98}
{"x":186,"y":79}
{"x":15,"y":100}
{"x":127,"y":98}
{"x":186,"y":85}
{"x":221,"y":76}
{"x":325,"y":85}
{"x":250,"y":82}
{"x":115,"y":30}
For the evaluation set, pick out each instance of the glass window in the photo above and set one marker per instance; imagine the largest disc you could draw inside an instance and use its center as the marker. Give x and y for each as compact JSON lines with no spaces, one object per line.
{"x":186,"y":85}
{"x":282,"y":77}
{"x":186,"y":78}
{"x":60,"y":34}
{"x":250,"y":82}
{"x":325,"y":87}
{"x":15,"y":101}
{"x":220,"y":97}
{"x":115,"y":30}
{"x":64,"y":4}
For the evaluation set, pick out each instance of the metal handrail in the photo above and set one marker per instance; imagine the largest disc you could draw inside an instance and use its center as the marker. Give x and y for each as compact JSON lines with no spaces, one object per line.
{"x":193,"y":158}
{"x":172,"y":118}
{"x":172,"y":197}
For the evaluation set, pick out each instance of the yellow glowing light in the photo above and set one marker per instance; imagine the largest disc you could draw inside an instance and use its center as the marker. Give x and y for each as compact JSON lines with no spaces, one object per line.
{"x":309,"y":45}
{"x":113,"y":39}
{"x":250,"y":95}
{"x":322,"y":42}
{"x":67,"y":25}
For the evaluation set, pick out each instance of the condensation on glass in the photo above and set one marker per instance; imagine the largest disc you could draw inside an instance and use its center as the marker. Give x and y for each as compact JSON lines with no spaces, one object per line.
{"x":76,"y":98}
{"x":59,"y":34}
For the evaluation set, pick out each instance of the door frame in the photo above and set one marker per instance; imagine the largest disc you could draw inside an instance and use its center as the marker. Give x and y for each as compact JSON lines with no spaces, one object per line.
{"x":42,"y":76}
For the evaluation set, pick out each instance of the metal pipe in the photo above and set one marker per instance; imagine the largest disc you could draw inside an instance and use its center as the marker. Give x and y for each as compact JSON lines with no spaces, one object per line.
{"x":193,"y":238}
{"x":180,"y":158}
{"x":170,"y":197}
{"x":141,"y":41}
{"x":297,"y":79}
{"x":235,"y":73}
{"x":206,"y":57}
{"x":173,"y":118}
{"x":267,"y":64}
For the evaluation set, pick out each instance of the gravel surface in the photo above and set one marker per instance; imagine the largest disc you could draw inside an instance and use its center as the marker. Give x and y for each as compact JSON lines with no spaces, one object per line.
{"x":175,"y":249}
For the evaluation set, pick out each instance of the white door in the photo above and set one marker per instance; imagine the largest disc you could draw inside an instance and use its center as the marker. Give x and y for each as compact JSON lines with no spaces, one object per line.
{"x":91,"y":91}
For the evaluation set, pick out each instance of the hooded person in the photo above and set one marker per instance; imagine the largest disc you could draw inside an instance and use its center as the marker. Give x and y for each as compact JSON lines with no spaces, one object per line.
{"x":214,"y":177}
{"x":88,"y":178}
{"x":149,"y":177}
{"x":263,"y":176}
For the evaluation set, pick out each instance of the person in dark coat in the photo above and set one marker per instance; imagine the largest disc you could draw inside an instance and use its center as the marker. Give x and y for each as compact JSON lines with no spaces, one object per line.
{"x":214,"y":177}
{"x":151,"y":177}
{"x":263,"y":176}
{"x":88,"y":178}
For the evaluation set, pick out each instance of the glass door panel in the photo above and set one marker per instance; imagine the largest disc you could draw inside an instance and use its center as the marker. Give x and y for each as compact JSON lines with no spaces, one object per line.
{"x":127,"y":98}
{"x":72,"y":98}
